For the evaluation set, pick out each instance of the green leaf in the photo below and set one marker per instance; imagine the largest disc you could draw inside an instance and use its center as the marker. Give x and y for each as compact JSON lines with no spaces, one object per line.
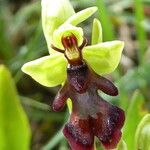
{"x":54,"y":14}
{"x":142,"y":136}
{"x":14,"y":126}
{"x":96,"y":32}
{"x":49,"y":70}
{"x":54,"y":141}
{"x":134,"y":114}
{"x":57,"y":138}
{"x":81,"y":16}
{"x":104,"y":17}
{"x":6,"y":51}
{"x":103,"y":57}
{"x":122,"y":146}
{"x":140,"y":31}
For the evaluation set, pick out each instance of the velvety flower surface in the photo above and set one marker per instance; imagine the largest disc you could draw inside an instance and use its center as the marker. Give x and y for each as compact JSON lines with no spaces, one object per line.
{"x":91,"y":115}
{"x":79,"y":68}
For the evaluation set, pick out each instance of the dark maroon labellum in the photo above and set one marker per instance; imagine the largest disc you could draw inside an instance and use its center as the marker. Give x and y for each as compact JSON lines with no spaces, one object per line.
{"x":91,"y":114}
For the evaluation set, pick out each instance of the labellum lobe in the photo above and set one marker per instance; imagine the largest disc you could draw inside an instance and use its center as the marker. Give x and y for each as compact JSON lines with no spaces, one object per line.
{"x":91,"y":115}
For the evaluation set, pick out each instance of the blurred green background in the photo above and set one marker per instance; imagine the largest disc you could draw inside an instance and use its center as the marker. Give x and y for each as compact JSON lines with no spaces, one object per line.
{"x":35,"y":125}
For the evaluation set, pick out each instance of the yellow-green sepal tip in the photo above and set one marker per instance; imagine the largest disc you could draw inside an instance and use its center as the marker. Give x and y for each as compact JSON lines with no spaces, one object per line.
{"x":103,"y":58}
{"x":49,"y":70}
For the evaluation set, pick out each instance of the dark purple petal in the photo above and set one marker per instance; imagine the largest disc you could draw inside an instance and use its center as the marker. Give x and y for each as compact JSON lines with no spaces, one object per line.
{"x":107,"y":125}
{"x":60,"y":98}
{"x":104,"y":85}
{"x":112,"y":143}
{"x":91,"y":115}
{"x":79,"y":133}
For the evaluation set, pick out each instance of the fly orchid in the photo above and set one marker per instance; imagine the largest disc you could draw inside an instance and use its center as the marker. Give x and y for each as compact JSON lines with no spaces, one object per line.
{"x":79,"y":67}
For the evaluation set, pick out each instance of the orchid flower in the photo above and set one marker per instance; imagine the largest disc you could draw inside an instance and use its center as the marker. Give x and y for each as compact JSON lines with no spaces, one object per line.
{"x":78,"y":67}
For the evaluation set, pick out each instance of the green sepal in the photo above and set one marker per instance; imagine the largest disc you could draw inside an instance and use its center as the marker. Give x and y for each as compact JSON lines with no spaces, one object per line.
{"x":54,"y":14}
{"x":142,"y":136}
{"x":15,"y":132}
{"x":49,"y":70}
{"x":103,"y":58}
{"x":96,"y":32}
{"x":69,"y":104}
{"x":81,"y":16}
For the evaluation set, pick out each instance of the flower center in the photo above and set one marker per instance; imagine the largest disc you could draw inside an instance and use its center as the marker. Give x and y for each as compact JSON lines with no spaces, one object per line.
{"x":72,"y":51}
